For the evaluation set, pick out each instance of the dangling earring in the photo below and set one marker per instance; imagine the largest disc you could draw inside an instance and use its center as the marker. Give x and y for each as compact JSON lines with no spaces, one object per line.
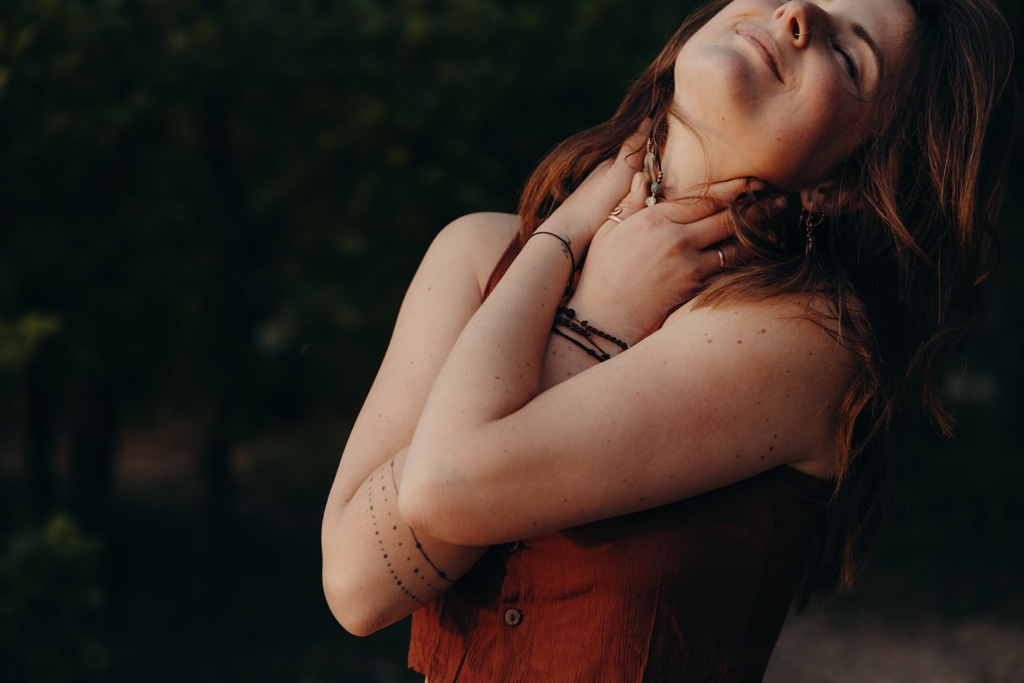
{"x":809,"y":221}
{"x":652,"y":172}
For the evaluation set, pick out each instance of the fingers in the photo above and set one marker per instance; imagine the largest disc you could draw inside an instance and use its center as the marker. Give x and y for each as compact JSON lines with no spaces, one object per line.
{"x":718,"y":197}
{"x":702,"y":233}
{"x":714,"y":263}
{"x":720,"y":225}
{"x":727,"y":255}
{"x":724,"y":193}
{"x":706,"y":219}
{"x":632,"y":202}
{"x":717,"y":261}
{"x":631,"y":152}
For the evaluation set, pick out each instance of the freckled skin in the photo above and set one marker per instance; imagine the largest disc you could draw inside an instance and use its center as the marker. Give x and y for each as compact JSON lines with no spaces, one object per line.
{"x":814,"y":123}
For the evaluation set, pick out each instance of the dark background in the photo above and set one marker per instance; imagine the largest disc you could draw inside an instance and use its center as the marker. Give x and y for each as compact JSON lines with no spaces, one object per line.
{"x":209,"y":210}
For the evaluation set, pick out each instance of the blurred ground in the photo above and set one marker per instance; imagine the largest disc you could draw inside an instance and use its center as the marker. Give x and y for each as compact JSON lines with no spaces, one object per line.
{"x":838,"y":646}
{"x":249,"y":607}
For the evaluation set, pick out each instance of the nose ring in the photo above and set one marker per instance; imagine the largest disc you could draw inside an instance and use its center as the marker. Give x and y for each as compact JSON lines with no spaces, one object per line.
{"x":797,"y":34}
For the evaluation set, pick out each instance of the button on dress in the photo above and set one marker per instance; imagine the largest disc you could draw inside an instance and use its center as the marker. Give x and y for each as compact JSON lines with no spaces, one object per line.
{"x":693,"y":591}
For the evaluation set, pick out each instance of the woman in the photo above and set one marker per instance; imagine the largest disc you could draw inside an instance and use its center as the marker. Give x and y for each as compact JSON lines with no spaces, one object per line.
{"x":780,"y":233}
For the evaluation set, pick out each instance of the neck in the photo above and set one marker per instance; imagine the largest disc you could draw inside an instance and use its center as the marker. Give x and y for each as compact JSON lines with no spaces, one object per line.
{"x":690,"y":166}
{"x":684,"y":162}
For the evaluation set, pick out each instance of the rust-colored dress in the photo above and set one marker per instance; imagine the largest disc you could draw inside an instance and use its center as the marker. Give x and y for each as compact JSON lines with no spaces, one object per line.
{"x":692,"y":591}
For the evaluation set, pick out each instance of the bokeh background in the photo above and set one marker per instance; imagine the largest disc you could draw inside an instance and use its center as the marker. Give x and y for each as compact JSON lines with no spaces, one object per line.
{"x":209,"y":210}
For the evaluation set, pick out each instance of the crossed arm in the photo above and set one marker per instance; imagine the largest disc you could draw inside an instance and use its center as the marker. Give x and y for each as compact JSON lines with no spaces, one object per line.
{"x":483,"y":428}
{"x":376,"y":568}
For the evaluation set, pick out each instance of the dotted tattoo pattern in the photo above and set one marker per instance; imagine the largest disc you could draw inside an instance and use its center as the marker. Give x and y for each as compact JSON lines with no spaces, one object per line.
{"x":419,"y":546}
{"x":389,"y":557}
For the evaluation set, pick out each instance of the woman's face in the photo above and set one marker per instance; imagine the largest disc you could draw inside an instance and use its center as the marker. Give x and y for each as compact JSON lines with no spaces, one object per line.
{"x":784,"y":91}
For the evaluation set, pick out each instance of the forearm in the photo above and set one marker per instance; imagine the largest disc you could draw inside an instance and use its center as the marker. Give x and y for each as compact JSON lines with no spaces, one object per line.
{"x":497,"y":364}
{"x":442,"y":297}
{"x":507,"y":338}
{"x":462,"y":445}
{"x":368,"y":549}
{"x":377,"y":569}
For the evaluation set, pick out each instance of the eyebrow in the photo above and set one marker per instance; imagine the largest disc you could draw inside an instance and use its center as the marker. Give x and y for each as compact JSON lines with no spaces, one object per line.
{"x":863,"y":34}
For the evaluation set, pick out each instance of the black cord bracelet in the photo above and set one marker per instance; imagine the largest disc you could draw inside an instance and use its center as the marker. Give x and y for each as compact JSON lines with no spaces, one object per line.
{"x":566,"y":317}
{"x":601,"y":356}
{"x":588,"y":329}
{"x":568,"y":250}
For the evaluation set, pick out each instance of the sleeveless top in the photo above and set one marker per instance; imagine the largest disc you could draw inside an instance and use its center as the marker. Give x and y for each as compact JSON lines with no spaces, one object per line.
{"x":692,"y":591}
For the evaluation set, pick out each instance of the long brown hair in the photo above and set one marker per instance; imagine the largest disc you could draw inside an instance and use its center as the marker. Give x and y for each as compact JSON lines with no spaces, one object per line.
{"x":895,"y":271}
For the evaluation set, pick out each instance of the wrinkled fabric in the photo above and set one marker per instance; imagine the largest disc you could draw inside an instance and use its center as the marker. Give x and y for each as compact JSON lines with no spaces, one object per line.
{"x":693,"y":591}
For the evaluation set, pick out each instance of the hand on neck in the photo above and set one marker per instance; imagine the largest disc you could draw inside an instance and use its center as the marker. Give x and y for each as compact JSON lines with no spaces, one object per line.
{"x":684,"y":162}
{"x":689,"y":165}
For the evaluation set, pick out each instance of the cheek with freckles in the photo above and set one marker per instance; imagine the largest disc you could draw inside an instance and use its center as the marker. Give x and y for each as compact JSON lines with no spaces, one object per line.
{"x":806,"y":142}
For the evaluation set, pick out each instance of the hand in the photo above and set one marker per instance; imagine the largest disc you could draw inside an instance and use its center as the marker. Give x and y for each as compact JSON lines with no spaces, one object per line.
{"x":657,"y":258}
{"x":581,"y":215}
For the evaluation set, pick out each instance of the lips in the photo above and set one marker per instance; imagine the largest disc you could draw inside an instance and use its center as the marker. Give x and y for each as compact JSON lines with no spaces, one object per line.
{"x":765,"y":46}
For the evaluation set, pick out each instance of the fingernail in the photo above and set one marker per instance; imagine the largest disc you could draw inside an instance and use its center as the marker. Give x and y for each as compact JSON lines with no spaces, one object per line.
{"x":780,"y":202}
{"x":756,"y":185}
{"x":638,"y":181}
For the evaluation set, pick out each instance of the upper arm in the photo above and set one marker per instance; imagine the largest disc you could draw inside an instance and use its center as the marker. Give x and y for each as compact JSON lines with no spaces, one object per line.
{"x":444,"y":294}
{"x":717,"y":395}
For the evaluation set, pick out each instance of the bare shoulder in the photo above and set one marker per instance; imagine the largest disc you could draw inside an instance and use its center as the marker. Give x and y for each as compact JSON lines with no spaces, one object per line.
{"x":783,"y":347}
{"x":477,"y":239}
{"x":800,"y":316}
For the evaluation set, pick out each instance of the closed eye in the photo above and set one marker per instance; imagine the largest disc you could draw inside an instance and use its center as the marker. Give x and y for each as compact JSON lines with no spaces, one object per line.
{"x":851,"y":66}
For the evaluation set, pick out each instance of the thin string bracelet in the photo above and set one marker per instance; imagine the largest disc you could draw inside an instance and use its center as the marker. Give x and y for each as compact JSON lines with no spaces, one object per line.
{"x":568,"y":250}
{"x":562,"y":321}
{"x":573,"y":326}
{"x":602,"y":357}
{"x":589,"y":329}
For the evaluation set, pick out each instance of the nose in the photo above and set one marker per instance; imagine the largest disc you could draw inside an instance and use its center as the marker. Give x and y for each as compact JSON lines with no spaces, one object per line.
{"x":800,"y":19}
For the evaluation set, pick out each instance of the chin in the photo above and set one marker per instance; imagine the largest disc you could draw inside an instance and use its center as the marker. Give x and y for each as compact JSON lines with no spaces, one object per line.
{"x":715,"y":82}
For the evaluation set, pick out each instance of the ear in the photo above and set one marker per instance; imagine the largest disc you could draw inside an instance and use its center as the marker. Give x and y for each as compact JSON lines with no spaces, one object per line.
{"x":820,"y":197}
{"x":832,"y":197}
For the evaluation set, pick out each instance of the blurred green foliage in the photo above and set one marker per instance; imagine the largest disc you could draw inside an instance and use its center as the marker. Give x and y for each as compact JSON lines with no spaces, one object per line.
{"x":20,"y":339}
{"x":190,"y":182}
{"x":51,"y":605}
{"x":215,"y":205}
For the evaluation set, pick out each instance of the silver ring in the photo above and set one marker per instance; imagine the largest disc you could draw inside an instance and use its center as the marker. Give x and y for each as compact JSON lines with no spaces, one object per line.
{"x":614,"y":215}
{"x":721,"y":259}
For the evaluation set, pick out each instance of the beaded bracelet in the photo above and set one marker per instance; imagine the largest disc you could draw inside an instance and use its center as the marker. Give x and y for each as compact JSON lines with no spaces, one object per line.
{"x":599,"y":354}
{"x":566,"y":317}
{"x":571,"y":315}
{"x":568,"y":250}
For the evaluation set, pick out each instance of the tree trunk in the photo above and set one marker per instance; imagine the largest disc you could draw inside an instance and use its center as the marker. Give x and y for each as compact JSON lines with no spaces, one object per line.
{"x":94,"y":437}
{"x":41,"y":423}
